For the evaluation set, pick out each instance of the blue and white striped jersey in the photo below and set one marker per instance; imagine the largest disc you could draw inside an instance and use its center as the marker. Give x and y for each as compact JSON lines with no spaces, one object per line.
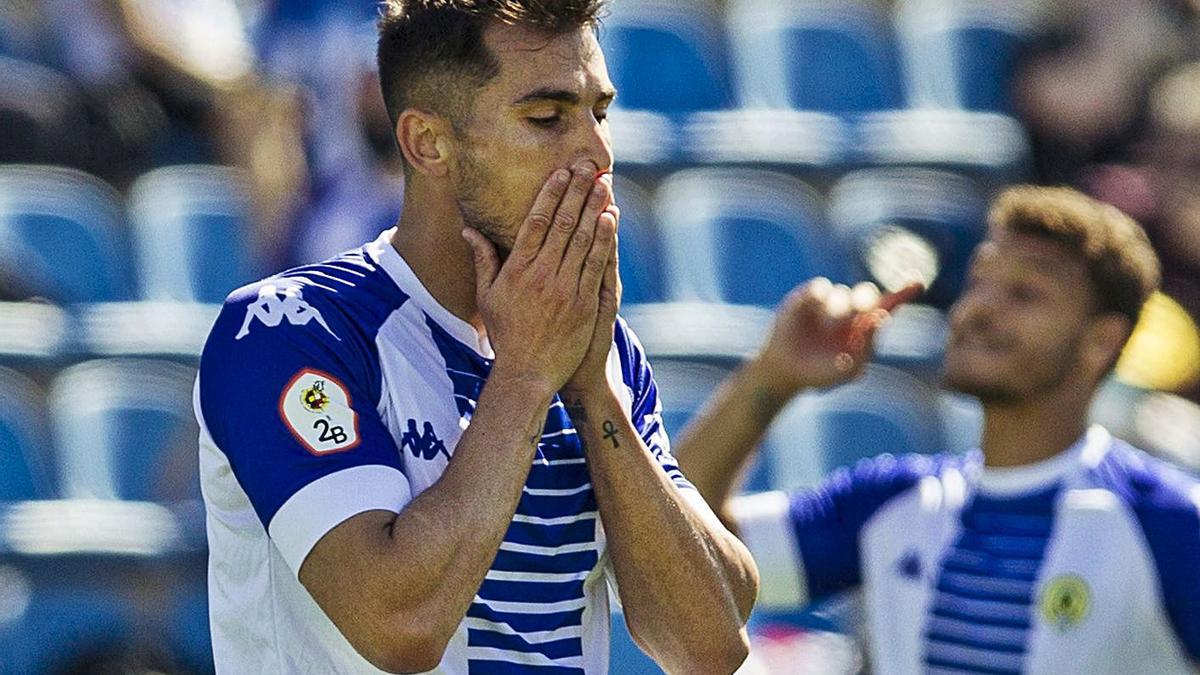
{"x":343,"y":387}
{"x":1086,"y":563}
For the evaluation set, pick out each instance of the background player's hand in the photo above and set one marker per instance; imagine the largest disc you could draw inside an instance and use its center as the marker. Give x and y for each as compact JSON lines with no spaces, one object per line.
{"x":591,"y":376}
{"x":824,"y":334}
{"x":541,"y":306}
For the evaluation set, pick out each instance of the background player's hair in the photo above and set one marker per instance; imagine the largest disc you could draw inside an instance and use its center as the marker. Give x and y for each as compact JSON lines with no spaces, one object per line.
{"x":1123,"y":267}
{"x":431,"y":52}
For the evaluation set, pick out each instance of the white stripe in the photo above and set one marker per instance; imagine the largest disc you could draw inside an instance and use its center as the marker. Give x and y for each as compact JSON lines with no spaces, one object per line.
{"x":538,"y":577}
{"x":944,"y":651}
{"x":555,"y":492}
{"x":467,"y":399}
{"x":522,"y":658}
{"x":557,"y":404}
{"x":459,"y":372}
{"x":559,"y":462}
{"x":560,"y":520}
{"x":988,"y":584}
{"x":978,"y":632}
{"x":535,"y":637}
{"x":564,"y":432}
{"x":533,"y":607}
{"x":547,"y":550}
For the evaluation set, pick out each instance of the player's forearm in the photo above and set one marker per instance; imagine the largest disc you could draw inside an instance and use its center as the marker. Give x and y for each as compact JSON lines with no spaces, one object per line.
{"x":686,"y":583}
{"x":715,"y":446}
{"x":449,"y":535}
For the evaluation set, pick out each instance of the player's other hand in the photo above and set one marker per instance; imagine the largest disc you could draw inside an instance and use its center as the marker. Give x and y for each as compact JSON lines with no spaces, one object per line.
{"x":590,"y":377}
{"x":540,"y":306}
{"x":824,"y":334}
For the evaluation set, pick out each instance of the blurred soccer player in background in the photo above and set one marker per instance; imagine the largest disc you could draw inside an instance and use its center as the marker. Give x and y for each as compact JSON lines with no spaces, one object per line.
{"x":1056,"y":549}
{"x":433,"y":452}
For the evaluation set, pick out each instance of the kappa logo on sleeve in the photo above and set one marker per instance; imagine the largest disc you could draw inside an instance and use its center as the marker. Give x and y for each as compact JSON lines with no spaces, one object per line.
{"x":315,"y":406}
{"x":271,"y":310}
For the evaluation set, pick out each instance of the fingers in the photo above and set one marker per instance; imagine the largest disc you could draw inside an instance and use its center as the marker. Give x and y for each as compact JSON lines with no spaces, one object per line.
{"x":586,"y":236}
{"x":566,"y":218}
{"x":909,"y":293}
{"x":487,"y":261}
{"x":533,"y":230}
{"x":598,"y":261}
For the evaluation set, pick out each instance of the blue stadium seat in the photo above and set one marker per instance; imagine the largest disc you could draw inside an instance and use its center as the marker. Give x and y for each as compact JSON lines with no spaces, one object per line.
{"x":667,"y":56}
{"x":833,"y":56}
{"x":742,"y":236}
{"x":962,"y":54}
{"x":62,"y":624}
{"x":886,"y":410}
{"x":638,"y":247}
{"x":192,"y":228}
{"x":875,"y":210}
{"x":125,"y":430}
{"x":23,"y":451}
{"x":62,"y":229}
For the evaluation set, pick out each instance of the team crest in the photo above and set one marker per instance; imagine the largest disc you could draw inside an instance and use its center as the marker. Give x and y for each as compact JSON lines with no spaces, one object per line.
{"x":314,"y":399}
{"x":1065,"y":601}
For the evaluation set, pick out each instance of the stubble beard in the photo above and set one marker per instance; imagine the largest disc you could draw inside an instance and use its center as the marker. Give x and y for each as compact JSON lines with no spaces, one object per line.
{"x":476,"y":208}
{"x":1049,"y":379}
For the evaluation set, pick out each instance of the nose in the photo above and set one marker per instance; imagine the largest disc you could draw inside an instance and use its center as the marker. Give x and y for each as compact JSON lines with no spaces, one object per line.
{"x":596,"y":144}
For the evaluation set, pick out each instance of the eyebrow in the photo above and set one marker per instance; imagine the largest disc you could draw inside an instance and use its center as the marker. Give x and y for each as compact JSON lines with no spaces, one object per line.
{"x":560,"y":95}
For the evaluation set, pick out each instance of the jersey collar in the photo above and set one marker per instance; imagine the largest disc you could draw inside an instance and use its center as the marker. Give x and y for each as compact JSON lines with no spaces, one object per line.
{"x":387,"y":257}
{"x":1084,"y":453}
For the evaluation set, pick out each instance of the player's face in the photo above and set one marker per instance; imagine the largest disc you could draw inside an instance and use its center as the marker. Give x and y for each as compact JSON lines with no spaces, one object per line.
{"x":1017,"y":329}
{"x":546,"y":109}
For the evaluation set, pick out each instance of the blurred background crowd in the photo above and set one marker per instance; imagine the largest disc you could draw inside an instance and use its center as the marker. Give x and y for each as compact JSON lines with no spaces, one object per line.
{"x":156,"y":154}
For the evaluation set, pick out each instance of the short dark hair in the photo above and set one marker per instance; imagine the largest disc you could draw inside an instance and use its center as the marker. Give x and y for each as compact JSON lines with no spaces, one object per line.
{"x":431,"y":52}
{"x":1121,"y":264}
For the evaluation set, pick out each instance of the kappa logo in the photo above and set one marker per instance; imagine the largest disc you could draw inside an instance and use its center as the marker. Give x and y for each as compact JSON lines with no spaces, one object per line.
{"x":271,"y":310}
{"x":425,"y":445}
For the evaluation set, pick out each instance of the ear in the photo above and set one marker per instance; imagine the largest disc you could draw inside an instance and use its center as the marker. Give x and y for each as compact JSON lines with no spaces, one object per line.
{"x":425,"y":140}
{"x":1107,"y":334}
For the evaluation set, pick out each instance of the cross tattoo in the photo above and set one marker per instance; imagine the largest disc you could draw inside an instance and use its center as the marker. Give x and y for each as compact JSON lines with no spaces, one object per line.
{"x":610,"y":433}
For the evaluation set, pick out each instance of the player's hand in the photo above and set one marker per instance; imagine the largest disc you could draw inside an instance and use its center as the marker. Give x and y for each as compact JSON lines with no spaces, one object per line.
{"x":540,"y":307}
{"x":591,"y":376}
{"x":824,"y":334}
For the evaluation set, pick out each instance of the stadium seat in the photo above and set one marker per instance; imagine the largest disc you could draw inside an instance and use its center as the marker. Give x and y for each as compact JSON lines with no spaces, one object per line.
{"x":742,"y":236}
{"x":192,"y":231}
{"x":987,"y":145}
{"x":962,"y":54}
{"x":638,"y":247}
{"x":667,"y":56}
{"x":24,"y":472}
{"x":820,"y":55}
{"x":125,"y":430}
{"x":876,"y":212}
{"x":886,"y":410}
{"x":62,"y":229}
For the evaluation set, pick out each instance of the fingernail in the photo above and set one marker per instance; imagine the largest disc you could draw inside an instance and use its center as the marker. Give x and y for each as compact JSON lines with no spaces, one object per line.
{"x":562,"y":176}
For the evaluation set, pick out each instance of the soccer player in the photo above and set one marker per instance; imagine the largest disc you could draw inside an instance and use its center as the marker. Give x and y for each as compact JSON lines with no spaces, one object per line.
{"x":1056,"y":549}
{"x":435,"y":453}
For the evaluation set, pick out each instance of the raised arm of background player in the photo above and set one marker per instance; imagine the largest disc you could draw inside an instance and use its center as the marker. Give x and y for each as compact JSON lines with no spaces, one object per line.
{"x":823,"y":336}
{"x":398,"y":585}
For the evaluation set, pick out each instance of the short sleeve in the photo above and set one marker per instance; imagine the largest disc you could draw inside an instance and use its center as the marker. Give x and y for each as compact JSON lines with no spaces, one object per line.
{"x":646,"y":409}
{"x":288,"y":390}
{"x":827,"y":522}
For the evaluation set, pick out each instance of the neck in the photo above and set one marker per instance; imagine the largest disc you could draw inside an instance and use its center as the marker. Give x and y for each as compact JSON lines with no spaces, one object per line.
{"x":429,"y":239}
{"x":1016,"y":434}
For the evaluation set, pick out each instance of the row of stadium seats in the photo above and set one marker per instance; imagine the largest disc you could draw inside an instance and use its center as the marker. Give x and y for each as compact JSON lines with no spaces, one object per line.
{"x":818,"y":82}
{"x":144,"y":277}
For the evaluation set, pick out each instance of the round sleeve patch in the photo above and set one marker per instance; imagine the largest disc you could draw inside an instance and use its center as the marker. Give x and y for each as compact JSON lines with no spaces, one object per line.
{"x":315,"y":406}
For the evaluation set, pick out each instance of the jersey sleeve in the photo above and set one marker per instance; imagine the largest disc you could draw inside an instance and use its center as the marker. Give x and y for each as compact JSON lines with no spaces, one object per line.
{"x":807,"y":543}
{"x":289,"y":387}
{"x":646,"y":408}
{"x":1166,"y":502}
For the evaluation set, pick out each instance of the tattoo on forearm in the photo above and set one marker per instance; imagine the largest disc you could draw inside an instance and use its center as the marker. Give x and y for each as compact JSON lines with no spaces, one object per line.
{"x":610,"y":432}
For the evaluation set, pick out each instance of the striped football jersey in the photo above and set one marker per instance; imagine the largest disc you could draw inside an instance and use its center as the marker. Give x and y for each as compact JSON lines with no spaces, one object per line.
{"x":1084,"y":563}
{"x":342,"y":387}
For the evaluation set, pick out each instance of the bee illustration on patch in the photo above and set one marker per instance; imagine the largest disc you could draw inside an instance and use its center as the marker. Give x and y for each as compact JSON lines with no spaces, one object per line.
{"x":314,"y":399}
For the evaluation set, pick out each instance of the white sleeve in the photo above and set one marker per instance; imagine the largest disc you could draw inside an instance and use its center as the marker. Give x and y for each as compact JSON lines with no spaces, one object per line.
{"x":329,"y":501}
{"x":764,"y":525}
